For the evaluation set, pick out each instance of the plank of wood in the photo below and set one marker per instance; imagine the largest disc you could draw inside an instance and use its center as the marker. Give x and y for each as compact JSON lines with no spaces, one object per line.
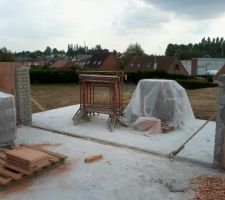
{"x":54,"y":159}
{"x":41,"y":165}
{"x":61,"y":156}
{"x":5,"y":181}
{"x":10,"y":174}
{"x":17,"y":169}
{"x":93,"y":158}
{"x":37,"y":104}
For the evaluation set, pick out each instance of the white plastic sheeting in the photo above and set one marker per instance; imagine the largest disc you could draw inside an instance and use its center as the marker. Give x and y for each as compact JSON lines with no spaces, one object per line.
{"x":7,"y":119}
{"x":162,"y":99}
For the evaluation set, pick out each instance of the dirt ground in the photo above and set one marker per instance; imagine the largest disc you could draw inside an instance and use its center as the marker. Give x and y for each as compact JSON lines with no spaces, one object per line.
{"x":203,"y":101}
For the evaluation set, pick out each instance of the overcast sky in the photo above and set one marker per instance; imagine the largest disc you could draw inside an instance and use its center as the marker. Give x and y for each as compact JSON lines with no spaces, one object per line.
{"x":35,"y":24}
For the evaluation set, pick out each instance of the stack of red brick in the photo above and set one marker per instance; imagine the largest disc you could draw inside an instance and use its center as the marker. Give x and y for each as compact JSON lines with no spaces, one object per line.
{"x":26,"y":158}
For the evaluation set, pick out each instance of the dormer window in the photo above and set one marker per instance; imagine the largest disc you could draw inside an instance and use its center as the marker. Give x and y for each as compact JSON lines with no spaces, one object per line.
{"x":177,"y":67}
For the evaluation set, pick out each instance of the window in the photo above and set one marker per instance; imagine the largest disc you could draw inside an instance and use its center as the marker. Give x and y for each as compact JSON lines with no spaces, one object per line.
{"x":131,"y":65}
{"x":99,"y":62}
{"x":149,"y":65}
{"x":138,"y":65}
{"x":177,"y":67}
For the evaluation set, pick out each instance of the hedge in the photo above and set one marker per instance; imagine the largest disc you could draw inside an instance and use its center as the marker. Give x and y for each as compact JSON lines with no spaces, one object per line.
{"x":135,"y":76}
{"x":53,"y":76}
{"x":46,"y":76}
{"x":196,"y":84}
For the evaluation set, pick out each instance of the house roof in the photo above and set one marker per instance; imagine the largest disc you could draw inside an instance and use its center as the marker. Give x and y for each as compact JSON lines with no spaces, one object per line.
{"x":61,"y":63}
{"x":12,"y":64}
{"x":142,"y":62}
{"x":96,"y":60}
{"x":211,"y":63}
{"x":187,"y":65}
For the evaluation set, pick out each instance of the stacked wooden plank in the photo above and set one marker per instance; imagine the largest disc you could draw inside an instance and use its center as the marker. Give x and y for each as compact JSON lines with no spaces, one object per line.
{"x":12,"y":172}
{"x":26,"y":158}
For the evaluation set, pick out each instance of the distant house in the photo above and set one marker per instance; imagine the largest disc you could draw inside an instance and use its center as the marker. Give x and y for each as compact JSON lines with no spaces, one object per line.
{"x":202,"y":66}
{"x":187,"y":65}
{"x":169,"y":64}
{"x":220,"y":72}
{"x":62,"y":64}
{"x":31,"y":62}
{"x":81,"y":60}
{"x":103,"y":61}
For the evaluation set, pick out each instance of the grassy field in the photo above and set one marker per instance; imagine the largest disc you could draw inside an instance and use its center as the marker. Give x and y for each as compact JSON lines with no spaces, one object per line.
{"x":203,"y":101}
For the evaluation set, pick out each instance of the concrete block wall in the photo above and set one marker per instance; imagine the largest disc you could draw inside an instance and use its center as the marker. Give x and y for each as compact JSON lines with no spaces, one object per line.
{"x":7,"y":119}
{"x":219,"y":149}
{"x":23,"y":95}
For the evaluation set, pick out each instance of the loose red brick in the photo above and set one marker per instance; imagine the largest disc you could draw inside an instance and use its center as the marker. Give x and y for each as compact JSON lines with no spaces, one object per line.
{"x":93,"y":158}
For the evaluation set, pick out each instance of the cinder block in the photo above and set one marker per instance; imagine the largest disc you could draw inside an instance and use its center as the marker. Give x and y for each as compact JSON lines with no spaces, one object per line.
{"x":8,"y":119}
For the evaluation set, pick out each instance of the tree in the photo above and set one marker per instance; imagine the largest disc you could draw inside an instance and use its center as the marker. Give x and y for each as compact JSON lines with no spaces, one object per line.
{"x":6,"y":55}
{"x":48,"y":51}
{"x":132,"y":51}
{"x":55,"y":51}
{"x":70,"y":51}
{"x":214,"y":47}
{"x":135,"y":49}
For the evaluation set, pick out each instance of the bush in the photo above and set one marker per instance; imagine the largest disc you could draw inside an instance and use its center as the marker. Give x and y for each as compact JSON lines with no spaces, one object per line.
{"x":46,"y":76}
{"x":188,"y":82}
{"x":196,"y":84}
{"x":135,"y":76}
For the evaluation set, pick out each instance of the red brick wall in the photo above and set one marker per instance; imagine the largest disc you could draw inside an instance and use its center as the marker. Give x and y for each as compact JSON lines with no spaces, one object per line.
{"x":194,"y":64}
{"x":111,"y":63}
{"x":177,"y":68}
{"x":222,"y":71}
{"x":7,"y":77}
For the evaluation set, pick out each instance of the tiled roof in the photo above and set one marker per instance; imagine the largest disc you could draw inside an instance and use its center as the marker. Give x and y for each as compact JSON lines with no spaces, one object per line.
{"x":147,"y":62}
{"x":96,"y":60}
{"x":61,"y":63}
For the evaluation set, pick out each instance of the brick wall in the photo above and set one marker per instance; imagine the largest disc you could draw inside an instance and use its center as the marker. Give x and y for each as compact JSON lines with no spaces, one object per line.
{"x":7,"y":77}
{"x":194,"y":65}
{"x":15,"y":80}
{"x":111,"y":63}
{"x":177,"y":68}
{"x":23,"y":93}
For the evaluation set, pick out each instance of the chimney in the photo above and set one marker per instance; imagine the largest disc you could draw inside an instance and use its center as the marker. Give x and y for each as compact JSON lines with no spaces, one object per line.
{"x":155,"y":63}
{"x":194,"y":65}
{"x":155,"y":66}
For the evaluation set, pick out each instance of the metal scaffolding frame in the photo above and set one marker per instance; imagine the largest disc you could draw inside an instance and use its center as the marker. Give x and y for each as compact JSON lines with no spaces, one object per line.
{"x":91,"y":83}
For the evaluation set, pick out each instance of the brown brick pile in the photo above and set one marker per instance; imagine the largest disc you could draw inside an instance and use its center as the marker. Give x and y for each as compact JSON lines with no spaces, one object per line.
{"x":26,"y":158}
{"x":210,"y":187}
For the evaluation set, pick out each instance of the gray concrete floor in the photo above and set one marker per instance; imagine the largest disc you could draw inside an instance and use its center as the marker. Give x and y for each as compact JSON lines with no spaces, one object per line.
{"x":201,"y":147}
{"x":121,"y":174}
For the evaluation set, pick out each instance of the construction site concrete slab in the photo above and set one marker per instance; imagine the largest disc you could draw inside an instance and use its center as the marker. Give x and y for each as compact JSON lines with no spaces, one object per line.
{"x":201,"y":147}
{"x":121,"y":174}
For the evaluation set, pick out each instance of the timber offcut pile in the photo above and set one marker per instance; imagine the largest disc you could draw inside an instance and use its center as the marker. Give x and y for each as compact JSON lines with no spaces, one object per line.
{"x":210,"y":188}
{"x":25,"y":161}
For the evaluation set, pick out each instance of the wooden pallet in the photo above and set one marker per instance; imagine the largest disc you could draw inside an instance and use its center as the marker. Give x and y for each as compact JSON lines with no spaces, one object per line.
{"x":10,"y":174}
{"x":166,"y":128}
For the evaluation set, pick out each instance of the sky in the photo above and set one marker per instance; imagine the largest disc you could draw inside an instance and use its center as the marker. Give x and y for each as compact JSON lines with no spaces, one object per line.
{"x":114,"y":24}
